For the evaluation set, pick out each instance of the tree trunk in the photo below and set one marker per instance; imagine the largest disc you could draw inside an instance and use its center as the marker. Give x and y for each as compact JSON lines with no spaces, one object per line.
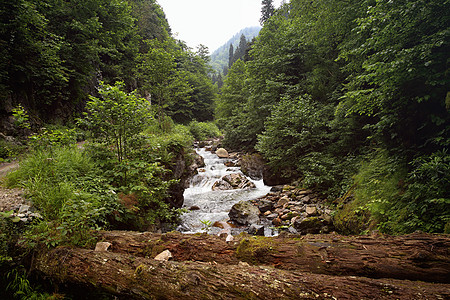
{"x":417,"y":256}
{"x":131,"y":277}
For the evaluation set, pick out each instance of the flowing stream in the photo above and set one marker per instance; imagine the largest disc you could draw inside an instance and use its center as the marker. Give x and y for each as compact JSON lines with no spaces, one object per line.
{"x":212,"y":205}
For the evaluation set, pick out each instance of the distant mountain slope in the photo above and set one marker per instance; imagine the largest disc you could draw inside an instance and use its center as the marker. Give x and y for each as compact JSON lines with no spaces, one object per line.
{"x":219,"y":58}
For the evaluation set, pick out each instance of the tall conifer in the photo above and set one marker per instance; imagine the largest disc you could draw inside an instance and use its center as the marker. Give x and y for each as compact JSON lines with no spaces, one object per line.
{"x":230,"y":56}
{"x":267,"y":11}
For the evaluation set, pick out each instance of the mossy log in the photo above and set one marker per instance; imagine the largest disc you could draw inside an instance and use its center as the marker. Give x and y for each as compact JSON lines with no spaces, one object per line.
{"x":131,"y":277}
{"x":417,"y":256}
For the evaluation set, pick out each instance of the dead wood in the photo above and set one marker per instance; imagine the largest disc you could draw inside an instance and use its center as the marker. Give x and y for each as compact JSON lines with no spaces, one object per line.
{"x":131,"y":277}
{"x":417,"y":256}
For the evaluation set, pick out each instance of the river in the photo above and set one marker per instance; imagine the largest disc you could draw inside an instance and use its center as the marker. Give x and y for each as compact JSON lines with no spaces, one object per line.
{"x":213,"y":206}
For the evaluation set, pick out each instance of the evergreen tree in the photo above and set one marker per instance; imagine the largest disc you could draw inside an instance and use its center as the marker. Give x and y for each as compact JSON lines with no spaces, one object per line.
{"x":231,"y":55}
{"x":203,"y":53}
{"x":267,"y":11}
{"x":240,"y":52}
{"x":219,"y":81}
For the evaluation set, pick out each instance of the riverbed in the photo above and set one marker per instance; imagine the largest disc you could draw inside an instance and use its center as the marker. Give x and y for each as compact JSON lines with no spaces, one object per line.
{"x":213,"y":206}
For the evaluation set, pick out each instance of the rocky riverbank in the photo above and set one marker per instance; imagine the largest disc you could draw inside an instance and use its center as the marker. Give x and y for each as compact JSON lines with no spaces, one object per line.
{"x":285,"y":208}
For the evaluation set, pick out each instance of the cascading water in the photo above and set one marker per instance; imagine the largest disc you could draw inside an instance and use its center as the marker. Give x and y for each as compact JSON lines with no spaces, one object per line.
{"x":213,"y":206}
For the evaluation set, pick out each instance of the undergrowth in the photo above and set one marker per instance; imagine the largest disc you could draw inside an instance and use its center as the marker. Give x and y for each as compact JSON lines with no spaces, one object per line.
{"x":398,"y":198}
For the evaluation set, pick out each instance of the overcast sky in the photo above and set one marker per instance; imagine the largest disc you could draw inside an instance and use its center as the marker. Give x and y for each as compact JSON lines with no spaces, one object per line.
{"x":211,"y":22}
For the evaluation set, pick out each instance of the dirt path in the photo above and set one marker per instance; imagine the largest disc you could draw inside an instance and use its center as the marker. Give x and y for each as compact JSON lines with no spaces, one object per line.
{"x":9,"y":198}
{"x":7,"y":167}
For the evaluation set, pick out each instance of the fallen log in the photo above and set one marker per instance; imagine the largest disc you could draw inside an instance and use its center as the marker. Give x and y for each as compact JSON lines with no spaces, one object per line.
{"x":131,"y":277}
{"x":417,"y":256}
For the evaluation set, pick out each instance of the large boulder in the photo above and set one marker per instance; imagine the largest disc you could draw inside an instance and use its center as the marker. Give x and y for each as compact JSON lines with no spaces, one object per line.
{"x":273,"y":178}
{"x":222,"y":153}
{"x":221,"y":185}
{"x":252,"y":165}
{"x":232,"y":182}
{"x":312,"y":225}
{"x":244,"y":213}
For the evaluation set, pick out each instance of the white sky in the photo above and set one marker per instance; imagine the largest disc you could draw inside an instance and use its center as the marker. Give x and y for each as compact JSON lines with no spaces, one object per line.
{"x":210,"y":22}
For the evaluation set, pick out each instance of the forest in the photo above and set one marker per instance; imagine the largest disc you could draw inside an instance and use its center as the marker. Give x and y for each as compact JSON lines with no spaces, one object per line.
{"x":351,"y":98}
{"x":101,"y":104}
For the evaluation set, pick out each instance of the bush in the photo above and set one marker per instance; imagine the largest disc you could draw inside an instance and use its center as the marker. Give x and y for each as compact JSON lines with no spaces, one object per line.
{"x":202,"y":130}
{"x":49,"y":137}
{"x":397,"y":201}
{"x":425,"y":204}
{"x":67,"y":188}
{"x":116,"y":117}
{"x":10,"y":150}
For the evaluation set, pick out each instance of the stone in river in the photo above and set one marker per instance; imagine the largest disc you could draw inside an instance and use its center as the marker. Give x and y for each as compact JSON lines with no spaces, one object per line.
{"x":222,"y":153}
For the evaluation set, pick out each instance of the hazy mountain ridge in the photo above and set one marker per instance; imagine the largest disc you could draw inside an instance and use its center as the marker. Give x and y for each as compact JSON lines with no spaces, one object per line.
{"x":219,"y":58}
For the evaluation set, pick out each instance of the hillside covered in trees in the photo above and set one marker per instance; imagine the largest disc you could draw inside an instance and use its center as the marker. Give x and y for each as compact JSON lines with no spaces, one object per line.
{"x":55,"y":53}
{"x":351,"y":98}
{"x":220,"y":58}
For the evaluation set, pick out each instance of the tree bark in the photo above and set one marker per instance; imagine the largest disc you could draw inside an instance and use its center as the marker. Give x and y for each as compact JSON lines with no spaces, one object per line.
{"x":131,"y":277}
{"x":417,"y":256}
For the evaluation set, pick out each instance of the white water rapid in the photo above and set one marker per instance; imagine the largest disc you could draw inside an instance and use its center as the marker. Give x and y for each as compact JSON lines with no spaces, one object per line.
{"x":212,"y":205}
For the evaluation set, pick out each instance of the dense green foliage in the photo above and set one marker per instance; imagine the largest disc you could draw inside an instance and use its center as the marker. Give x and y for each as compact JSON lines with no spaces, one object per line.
{"x":352,"y":97}
{"x":119,"y":179}
{"x":55,"y":53}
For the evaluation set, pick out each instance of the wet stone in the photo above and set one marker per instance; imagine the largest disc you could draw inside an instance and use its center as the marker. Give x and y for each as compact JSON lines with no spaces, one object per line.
{"x":311,"y":210}
{"x":282,"y":202}
{"x":256,"y":230}
{"x":265,"y":205}
{"x":272,"y":216}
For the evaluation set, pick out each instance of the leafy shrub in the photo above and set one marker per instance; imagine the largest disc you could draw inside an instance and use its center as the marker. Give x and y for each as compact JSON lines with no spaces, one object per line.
{"x":21,"y":117}
{"x":20,"y":287}
{"x":68,"y":189}
{"x":49,"y":137}
{"x":202,"y":130}
{"x":425,"y":204}
{"x":398,"y":201}
{"x":10,"y":150}
{"x":297,"y":137}
{"x":116,"y":117}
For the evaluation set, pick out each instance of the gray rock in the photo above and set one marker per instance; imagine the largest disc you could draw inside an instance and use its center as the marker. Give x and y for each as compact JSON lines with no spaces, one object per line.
{"x":244,"y":213}
{"x":24,"y":208}
{"x":265,"y":205}
{"x":256,"y":230}
{"x":102,"y":246}
{"x":221,"y":185}
{"x":277,"y":188}
{"x":306,"y":200}
{"x":252,"y":165}
{"x":238,"y":181}
{"x":164,"y":256}
{"x":292,"y":230}
{"x":233,"y":181}
{"x":308,"y":225}
{"x":272,"y":216}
